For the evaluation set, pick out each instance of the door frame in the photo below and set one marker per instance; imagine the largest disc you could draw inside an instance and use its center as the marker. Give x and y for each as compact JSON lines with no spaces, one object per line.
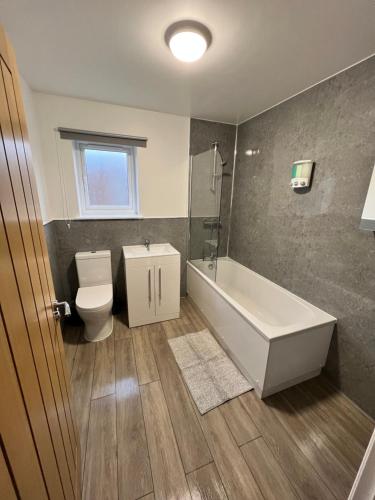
{"x":364,"y":483}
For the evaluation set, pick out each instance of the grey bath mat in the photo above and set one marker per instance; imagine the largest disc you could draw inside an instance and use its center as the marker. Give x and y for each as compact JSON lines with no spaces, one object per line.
{"x":210,"y":375}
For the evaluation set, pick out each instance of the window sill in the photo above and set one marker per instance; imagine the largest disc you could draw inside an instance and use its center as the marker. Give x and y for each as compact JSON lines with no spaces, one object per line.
{"x":109,"y":217}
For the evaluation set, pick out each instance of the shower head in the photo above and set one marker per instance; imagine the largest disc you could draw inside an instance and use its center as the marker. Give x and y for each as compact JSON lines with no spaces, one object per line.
{"x":215,"y":147}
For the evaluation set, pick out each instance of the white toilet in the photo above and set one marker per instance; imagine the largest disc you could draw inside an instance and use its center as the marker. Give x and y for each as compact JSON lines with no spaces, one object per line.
{"x":95,"y":294}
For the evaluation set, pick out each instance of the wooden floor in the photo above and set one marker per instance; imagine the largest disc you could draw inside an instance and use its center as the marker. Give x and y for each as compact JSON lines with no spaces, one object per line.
{"x":142,"y":436}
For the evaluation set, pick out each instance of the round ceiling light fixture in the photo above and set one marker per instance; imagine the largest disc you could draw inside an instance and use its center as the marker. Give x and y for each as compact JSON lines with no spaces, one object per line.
{"x":188,"y":40}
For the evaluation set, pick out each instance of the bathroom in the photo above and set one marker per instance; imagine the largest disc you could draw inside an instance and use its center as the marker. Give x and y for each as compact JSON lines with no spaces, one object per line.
{"x":192,"y":264}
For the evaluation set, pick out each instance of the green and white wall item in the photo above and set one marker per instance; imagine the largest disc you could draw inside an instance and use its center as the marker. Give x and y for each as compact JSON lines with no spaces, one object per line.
{"x":301,"y":174}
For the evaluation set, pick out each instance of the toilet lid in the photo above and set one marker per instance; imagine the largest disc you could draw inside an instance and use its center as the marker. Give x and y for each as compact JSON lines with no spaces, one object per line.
{"x":94,"y":297}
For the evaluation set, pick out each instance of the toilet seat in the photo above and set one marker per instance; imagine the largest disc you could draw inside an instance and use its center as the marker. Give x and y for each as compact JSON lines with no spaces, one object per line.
{"x":94,"y":298}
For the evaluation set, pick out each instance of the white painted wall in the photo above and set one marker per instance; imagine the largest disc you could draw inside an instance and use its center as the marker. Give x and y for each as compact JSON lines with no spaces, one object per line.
{"x":163,"y":166}
{"x":364,"y":484}
{"x":34,"y":137}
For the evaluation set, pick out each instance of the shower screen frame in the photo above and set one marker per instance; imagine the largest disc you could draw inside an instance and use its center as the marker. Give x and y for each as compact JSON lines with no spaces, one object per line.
{"x":207,"y":263}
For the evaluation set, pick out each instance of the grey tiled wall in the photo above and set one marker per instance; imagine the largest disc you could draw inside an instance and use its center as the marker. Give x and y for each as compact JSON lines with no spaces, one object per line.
{"x":85,"y":235}
{"x":310,"y":243}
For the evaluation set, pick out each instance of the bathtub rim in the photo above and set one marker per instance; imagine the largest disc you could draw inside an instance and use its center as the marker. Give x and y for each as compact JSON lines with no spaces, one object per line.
{"x":276,"y":332}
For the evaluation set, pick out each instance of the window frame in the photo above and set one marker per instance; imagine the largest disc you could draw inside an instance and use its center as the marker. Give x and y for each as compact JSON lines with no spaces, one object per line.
{"x":88,"y":210}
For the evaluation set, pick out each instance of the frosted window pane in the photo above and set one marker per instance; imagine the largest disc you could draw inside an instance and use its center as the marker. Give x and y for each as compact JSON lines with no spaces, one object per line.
{"x":107,"y":177}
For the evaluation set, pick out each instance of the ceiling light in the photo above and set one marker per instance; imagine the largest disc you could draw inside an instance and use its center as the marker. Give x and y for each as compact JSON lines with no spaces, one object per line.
{"x":188,"y":40}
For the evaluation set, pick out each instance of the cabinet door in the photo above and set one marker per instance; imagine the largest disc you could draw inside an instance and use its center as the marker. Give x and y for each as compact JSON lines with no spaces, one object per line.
{"x":167,"y":288}
{"x":140,"y":285}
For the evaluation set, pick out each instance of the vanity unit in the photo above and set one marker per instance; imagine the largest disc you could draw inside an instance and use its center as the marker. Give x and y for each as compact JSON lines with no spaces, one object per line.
{"x":152,"y":275}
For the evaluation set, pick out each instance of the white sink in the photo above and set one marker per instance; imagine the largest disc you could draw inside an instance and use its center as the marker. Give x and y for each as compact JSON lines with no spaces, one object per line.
{"x":154,"y":250}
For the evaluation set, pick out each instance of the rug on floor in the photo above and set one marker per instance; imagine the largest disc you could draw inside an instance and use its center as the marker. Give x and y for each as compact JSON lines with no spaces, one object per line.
{"x":210,"y":375}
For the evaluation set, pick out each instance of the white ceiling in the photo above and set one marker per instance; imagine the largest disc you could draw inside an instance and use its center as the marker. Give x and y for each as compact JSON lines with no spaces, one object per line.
{"x":263,"y":51}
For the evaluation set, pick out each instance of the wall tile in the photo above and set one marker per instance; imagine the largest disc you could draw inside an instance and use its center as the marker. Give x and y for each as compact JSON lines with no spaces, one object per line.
{"x":310,"y":243}
{"x":85,"y":235}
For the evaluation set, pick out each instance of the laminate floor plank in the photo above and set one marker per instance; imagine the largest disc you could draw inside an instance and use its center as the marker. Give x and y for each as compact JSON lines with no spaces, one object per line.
{"x":268,"y":474}
{"x":177,"y":327}
{"x":294,"y":462}
{"x":149,"y":441}
{"x":121,"y":330}
{"x":205,"y":484}
{"x":104,"y":370}
{"x":194,"y":315}
{"x":82,"y":377}
{"x":72,"y":335}
{"x":172,"y":329}
{"x":167,"y":469}
{"x":144,"y":356}
{"x":185,"y":321}
{"x":315,"y":446}
{"x":343,"y":444}
{"x":336,"y":405}
{"x":180,"y":326}
{"x":134,"y":472}
{"x":239,"y":421}
{"x":237,"y":479}
{"x":100,"y":475}
{"x":192,"y":445}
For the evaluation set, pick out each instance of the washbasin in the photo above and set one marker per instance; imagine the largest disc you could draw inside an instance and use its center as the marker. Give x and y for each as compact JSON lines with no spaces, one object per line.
{"x":154,"y":250}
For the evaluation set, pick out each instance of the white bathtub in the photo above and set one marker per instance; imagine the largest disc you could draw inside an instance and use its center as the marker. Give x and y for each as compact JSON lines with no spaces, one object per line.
{"x":276,"y":338}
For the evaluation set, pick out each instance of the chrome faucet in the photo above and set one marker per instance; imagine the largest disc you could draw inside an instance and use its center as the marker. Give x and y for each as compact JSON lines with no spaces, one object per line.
{"x":147,"y":244}
{"x":210,"y":257}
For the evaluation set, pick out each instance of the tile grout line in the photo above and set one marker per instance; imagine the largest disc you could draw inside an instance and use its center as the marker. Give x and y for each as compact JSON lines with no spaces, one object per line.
{"x":87,"y":430}
{"x":202,"y":320}
{"x":76,"y":350}
{"x":80,"y":336}
{"x":195,"y":409}
{"x":276,"y":460}
{"x":200,"y":467}
{"x":281,"y":464}
{"x":195,"y":324}
{"x":105,"y":395}
{"x":250,"y":441}
{"x":116,"y":419}
{"x":143,"y":418}
{"x":239,"y":449}
{"x":348,"y":468}
{"x":307,"y":458}
{"x":230,"y":430}
{"x":166,"y":404}
{"x":153,"y":355}
{"x":316,"y":400}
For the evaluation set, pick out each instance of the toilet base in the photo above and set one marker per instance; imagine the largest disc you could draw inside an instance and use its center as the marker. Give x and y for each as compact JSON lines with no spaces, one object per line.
{"x":94,"y":333}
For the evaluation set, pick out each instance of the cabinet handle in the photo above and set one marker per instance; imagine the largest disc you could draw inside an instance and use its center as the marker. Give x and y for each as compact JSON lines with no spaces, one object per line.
{"x":149,"y":287}
{"x":159,"y":285}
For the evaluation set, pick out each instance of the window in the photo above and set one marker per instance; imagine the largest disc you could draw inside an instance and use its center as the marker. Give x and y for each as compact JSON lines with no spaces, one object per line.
{"x":107,"y":180}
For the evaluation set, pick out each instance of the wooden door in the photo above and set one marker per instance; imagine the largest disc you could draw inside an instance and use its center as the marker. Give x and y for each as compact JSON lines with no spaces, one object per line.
{"x":40,"y":454}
